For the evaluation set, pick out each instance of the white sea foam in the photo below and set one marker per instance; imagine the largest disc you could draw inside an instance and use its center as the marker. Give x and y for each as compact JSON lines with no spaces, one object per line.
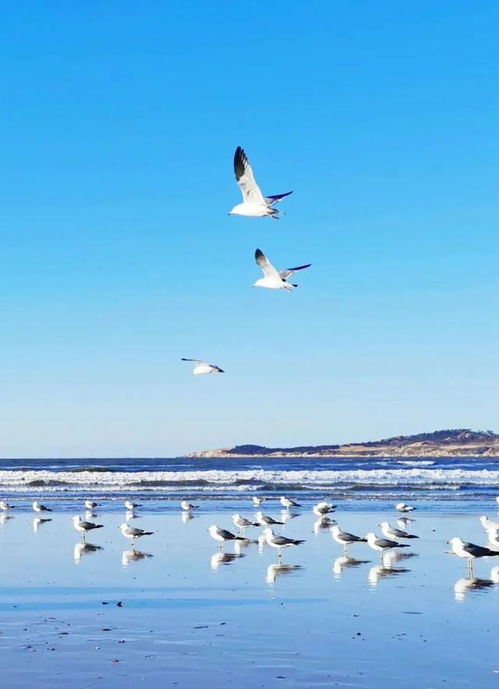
{"x":233,"y":480}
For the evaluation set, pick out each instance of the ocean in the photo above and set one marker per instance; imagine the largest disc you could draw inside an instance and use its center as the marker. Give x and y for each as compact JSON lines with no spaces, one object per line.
{"x":355,"y":481}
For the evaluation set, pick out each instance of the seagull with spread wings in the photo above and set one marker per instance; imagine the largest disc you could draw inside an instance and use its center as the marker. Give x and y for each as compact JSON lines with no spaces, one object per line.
{"x":274,"y":279}
{"x":255,"y":204}
{"x":203,"y":367}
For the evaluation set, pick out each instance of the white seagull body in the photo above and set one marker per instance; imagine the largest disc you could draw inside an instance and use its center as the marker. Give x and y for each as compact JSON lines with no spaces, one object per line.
{"x":202,"y":367}
{"x":287,"y":502}
{"x":40,"y":508}
{"x":391,"y":532}
{"x":279,"y":542}
{"x":132,"y":532}
{"x":130,"y":505}
{"x":90,"y":505}
{"x":83,"y":526}
{"x":323,"y":508}
{"x":402,"y":507}
{"x":4,"y":506}
{"x":257,"y":501}
{"x":382,"y":544}
{"x":241,"y":522}
{"x":264,"y":519}
{"x":274,"y":279}
{"x":187,"y":506}
{"x":255,"y":204}
{"x":470,"y":551}
{"x":222,"y":535}
{"x":344,"y":538}
{"x":488,"y":524}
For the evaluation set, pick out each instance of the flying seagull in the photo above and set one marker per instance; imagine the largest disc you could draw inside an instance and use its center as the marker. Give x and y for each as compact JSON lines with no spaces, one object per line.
{"x":203,"y":367}
{"x":254,"y":204}
{"x":274,"y":279}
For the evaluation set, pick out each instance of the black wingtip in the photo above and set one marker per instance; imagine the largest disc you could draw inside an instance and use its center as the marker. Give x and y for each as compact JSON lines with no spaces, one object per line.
{"x":258,"y":254}
{"x":240,"y":161}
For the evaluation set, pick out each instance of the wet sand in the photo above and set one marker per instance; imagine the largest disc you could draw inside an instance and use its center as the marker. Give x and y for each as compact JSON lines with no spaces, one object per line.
{"x":185,"y":617}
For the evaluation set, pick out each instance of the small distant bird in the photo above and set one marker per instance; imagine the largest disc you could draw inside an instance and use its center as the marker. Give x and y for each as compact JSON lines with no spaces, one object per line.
{"x":287,"y":502}
{"x":382,"y":544}
{"x":187,"y":506}
{"x":83,"y":526}
{"x":133,"y":532}
{"x":263,"y":519}
{"x":257,"y":501}
{"x":222,"y":535}
{"x":488,"y":524}
{"x":344,"y":538}
{"x":4,"y":506}
{"x":242,"y":522}
{"x":255,"y":204}
{"x":272,"y":278}
{"x":471,"y":551}
{"x":391,"y":532}
{"x":279,"y":542}
{"x":323,"y":508}
{"x":90,"y":505}
{"x":40,"y":508}
{"x":202,"y":367}
{"x":402,"y":507}
{"x":130,"y":505}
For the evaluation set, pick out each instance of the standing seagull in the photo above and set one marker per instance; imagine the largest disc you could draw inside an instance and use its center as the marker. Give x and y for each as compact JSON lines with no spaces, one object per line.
{"x":344,"y":538}
{"x":222,"y":535}
{"x":279,"y":542}
{"x":402,"y":507}
{"x":391,"y":532}
{"x":264,"y":519}
{"x":287,"y":502}
{"x":4,"y":506}
{"x":274,"y":279}
{"x":255,"y":204}
{"x":40,"y":508}
{"x":382,"y":544}
{"x":90,"y":505}
{"x":242,"y":523}
{"x":83,"y":526}
{"x":470,"y":551}
{"x":188,"y":506}
{"x":203,"y":367}
{"x":132,"y":532}
{"x":488,"y":524}
{"x":257,"y":501}
{"x":130,"y":505}
{"x":323,"y":508}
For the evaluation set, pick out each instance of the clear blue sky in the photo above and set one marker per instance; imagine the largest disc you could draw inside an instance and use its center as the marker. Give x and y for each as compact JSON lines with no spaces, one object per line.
{"x":119,"y":121}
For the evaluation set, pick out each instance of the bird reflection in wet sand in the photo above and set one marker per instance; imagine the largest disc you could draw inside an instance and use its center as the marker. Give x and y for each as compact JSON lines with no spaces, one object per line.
{"x":240,"y":545}
{"x":4,"y":517}
{"x":82,"y":549}
{"x":133,"y":555}
{"x":323,"y":522}
{"x":286,"y":515}
{"x":386,"y":568}
{"x":38,"y":521}
{"x":186,"y":516}
{"x":344,"y":561}
{"x":470,"y":583}
{"x":223,"y":559}
{"x":130,"y":514}
{"x":274,"y":571}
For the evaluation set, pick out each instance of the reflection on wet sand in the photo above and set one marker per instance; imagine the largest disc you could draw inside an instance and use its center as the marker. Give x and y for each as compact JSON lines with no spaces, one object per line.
{"x":240,"y":545}
{"x":379,"y":572}
{"x":186,"y":516}
{"x":274,"y":571}
{"x":323,"y":522}
{"x":286,"y":515}
{"x":344,"y":561}
{"x":223,"y":559}
{"x":133,"y":555}
{"x":38,"y":521}
{"x":82,"y":549}
{"x":470,"y":583}
{"x":130,"y":514}
{"x":4,"y":517}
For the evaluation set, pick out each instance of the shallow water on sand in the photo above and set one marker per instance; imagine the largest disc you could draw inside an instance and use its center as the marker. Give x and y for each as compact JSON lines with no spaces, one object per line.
{"x":183,"y":617}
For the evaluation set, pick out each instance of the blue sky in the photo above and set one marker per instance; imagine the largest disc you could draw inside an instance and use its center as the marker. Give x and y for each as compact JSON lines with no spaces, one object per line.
{"x":117,"y":258}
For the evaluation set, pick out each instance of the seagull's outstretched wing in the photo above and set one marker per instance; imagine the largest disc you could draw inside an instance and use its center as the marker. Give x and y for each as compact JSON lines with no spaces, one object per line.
{"x":284,"y":274}
{"x":272,"y":200}
{"x":244,"y":177}
{"x":268,"y":269}
{"x":198,"y":361}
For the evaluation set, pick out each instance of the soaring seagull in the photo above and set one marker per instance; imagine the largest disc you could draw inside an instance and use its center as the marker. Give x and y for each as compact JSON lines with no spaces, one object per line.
{"x":203,"y":367}
{"x":255,"y":204}
{"x":274,"y":279}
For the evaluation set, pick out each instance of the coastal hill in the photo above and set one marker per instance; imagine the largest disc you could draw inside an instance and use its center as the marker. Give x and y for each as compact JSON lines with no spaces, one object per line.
{"x":449,"y":443}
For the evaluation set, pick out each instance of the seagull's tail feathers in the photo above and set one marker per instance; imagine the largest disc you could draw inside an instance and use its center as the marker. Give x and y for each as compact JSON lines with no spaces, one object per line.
{"x":297,"y":542}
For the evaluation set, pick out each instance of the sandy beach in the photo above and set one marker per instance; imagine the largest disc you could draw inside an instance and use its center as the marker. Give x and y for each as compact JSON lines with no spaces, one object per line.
{"x":180,"y":615}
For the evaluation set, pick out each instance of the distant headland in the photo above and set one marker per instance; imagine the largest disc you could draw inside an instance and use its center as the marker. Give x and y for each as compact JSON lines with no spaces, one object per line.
{"x":449,"y":443}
